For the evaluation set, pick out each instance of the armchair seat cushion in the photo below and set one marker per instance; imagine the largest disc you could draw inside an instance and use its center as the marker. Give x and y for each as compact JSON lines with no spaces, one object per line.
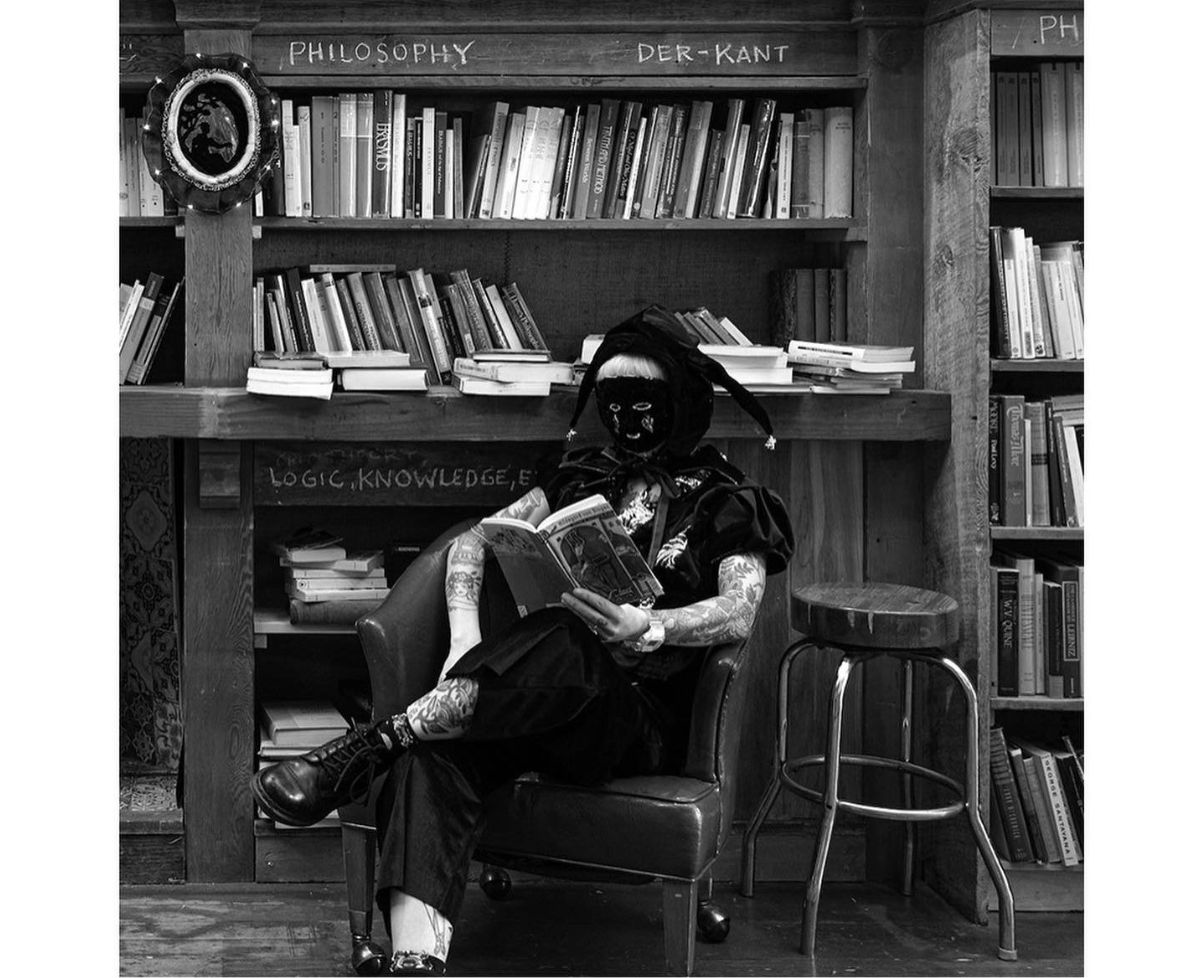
{"x":659,"y":825}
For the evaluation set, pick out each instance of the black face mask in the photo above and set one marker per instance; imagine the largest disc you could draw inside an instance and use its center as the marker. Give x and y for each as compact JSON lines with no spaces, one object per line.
{"x":637,"y":411}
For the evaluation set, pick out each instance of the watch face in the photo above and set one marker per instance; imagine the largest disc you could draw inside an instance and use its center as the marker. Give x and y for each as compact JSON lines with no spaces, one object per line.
{"x":637,"y":411}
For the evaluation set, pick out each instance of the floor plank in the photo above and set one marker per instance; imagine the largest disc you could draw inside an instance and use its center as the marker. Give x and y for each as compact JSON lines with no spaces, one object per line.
{"x":564,"y":928}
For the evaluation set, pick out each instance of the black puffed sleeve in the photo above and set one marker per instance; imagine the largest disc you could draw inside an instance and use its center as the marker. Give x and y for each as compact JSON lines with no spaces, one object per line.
{"x":747,"y":519}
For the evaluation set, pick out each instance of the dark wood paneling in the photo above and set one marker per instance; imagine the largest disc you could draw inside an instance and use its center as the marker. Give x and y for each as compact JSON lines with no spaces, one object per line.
{"x":217,"y":679}
{"x":957,"y":168}
{"x":151,"y":858}
{"x":224,"y":412}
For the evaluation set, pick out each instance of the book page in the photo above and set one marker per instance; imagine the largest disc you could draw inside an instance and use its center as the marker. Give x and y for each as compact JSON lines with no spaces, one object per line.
{"x":530,"y":566}
{"x":593,"y":545}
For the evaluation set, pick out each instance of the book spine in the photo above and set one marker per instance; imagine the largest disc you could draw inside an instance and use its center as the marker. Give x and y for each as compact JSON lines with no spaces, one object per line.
{"x":783,"y":197}
{"x":413,"y":310}
{"x":347,"y":154}
{"x":496,"y":335}
{"x":316,"y":321}
{"x":622,"y":156}
{"x":428,"y":161}
{"x":1024,"y":130}
{"x":655,"y":154}
{"x":358,"y":339}
{"x":995,"y":480}
{"x":527,"y":163}
{"x":1041,"y":809}
{"x":672,"y":161}
{"x":364,"y":166}
{"x":1014,"y":460}
{"x":299,"y":310}
{"x":458,"y":183}
{"x":437,"y":343}
{"x":712,"y":168}
{"x":289,"y":136}
{"x":1070,"y":511}
{"x":439,"y":164}
{"x":1053,"y":604}
{"x":1072,"y":658}
{"x":304,"y":146}
{"x":837,"y":305}
{"x":1054,"y":123}
{"x":332,"y":307}
{"x":571,"y":174}
{"x":362,"y":309}
{"x":1058,"y":810}
{"x":389,"y":336}
{"x":756,"y":158}
{"x":558,"y":176}
{"x":495,"y":150}
{"x":1028,"y":807}
{"x":602,"y":164}
{"x":381,"y":154}
{"x":506,"y":185}
{"x":1026,"y":628}
{"x":839,"y":161}
{"x":587,"y":154}
{"x":323,"y":139}
{"x":1073,"y":106}
{"x":1039,"y":475}
{"x":397,"y":147}
{"x":1010,"y":807}
{"x":404,"y":326}
{"x":1006,"y":598}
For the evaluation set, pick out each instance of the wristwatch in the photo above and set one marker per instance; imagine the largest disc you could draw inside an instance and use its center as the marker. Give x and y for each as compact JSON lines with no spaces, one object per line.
{"x":651,"y":638}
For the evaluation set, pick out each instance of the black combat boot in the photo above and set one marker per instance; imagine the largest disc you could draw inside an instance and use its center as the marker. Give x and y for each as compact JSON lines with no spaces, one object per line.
{"x":303,"y":790}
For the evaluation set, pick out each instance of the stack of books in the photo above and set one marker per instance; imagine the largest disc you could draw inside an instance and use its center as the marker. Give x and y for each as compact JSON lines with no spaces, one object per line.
{"x":146,"y":311}
{"x":511,"y":373}
{"x":326,"y":585}
{"x":845,"y":368}
{"x":808,"y":304}
{"x":290,"y":375}
{"x":1036,"y":801}
{"x":1035,"y":461}
{"x":1037,"y":642}
{"x":429,"y":317}
{"x":290,"y":728}
{"x":1037,"y":297}
{"x":376,"y":154}
{"x":140,"y":195}
{"x":1037,"y":126}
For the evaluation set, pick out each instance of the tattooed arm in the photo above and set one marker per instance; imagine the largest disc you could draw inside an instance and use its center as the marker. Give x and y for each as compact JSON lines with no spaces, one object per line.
{"x":726,"y":617}
{"x":464,"y":575}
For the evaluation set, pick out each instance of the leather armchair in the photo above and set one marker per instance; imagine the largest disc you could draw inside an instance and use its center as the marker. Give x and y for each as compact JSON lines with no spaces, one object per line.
{"x":630,"y":830}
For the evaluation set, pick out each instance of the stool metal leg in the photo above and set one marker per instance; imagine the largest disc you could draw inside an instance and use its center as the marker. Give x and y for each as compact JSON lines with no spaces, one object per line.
{"x":750,"y":839}
{"x":1008,"y":948}
{"x":906,"y":884}
{"x":833,"y":759}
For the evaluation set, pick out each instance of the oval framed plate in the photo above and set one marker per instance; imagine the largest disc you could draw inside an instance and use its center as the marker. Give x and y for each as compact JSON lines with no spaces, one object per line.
{"x":211,"y":132}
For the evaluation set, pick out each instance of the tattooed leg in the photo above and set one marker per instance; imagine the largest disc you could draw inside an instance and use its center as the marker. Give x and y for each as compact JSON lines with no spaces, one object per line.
{"x":445,"y":712}
{"x":418,"y":927}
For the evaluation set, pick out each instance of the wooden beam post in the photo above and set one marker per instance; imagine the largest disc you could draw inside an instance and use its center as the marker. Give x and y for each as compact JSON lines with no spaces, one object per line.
{"x":217,"y":676}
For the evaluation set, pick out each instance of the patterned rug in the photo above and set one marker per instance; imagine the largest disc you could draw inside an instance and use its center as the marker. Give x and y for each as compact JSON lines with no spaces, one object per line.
{"x":148,"y":793}
{"x":151,"y":730}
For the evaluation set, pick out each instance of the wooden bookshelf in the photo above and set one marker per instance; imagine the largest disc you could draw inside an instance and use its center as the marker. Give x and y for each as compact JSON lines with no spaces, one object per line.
{"x":275,"y":621}
{"x":965,"y":43}
{"x":851,"y":469}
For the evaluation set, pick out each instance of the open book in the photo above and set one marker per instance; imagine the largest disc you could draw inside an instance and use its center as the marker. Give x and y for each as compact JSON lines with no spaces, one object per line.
{"x":581,"y":545}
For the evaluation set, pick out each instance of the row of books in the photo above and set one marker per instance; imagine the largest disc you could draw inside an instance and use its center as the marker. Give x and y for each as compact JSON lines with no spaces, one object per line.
{"x":1035,"y":461}
{"x":850,"y":368}
{"x":290,"y":728}
{"x":147,"y":308}
{"x":1037,"y":126}
{"x":1036,"y":800}
{"x":140,"y":195}
{"x":362,"y":154}
{"x":432,"y":317}
{"x":1037,"y":643}
{"x":808,"y":304}
{"x":319,"y":571}
{"x":1037,"y":296}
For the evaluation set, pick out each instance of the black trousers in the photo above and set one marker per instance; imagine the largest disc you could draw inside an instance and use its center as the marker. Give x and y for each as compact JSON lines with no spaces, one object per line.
{"x":551,"y":699}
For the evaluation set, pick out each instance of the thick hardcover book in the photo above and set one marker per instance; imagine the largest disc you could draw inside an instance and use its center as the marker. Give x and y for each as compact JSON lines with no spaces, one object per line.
{"x":1069,"y":576}
{"x":362,"y":309}
{"x":364,"y":165}
{"x":302,"y":723}
{"x":1047,"y":771}
{"x":752,"y":187}
{"x":442,"y":359}
{"x":1013,"y":459}
{"x":587,"y":159}
{"x":582,"y":545}
{"x":1006,"y":601}
{"x":602,"y":168}
{"x":1053,"y":604}
{"x":381,"y":155}
{"x":839,"y":161}
{"x":624,"y":140}
{"x":298,"y":309}
{"x":1028,"y":805}
{"x":1004,"y":785}
{"x":1054,"y":123}
{"x":439,"y":164}
{"x":816,"y":162}
{"x":496,"y":118}
{"x":389,"y":334}
{"x":358,"y":338}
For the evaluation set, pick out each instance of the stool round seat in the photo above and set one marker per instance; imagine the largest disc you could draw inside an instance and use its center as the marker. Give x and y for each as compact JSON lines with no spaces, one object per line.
{"x":876,"y":615}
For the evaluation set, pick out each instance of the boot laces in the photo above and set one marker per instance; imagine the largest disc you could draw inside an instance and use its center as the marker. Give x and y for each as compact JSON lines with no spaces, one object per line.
{"x":345,"y":755}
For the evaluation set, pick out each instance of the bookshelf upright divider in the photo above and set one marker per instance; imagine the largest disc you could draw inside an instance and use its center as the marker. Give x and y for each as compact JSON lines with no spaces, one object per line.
{"x":963,"y":49}
{"x":849,"y":467}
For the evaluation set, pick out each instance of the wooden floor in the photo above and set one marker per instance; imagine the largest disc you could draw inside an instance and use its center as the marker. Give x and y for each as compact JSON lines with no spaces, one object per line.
{"x":565,"y":928}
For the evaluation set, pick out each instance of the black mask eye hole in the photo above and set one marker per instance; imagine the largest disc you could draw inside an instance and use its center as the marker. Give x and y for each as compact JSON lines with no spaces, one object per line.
{"x":642,"y":406}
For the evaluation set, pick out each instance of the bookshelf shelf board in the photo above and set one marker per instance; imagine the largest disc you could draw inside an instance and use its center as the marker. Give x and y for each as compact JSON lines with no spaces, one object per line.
{"x":275,"y":621}
{"x":847,"y":229}
{"x":1037,"y":193}
{"x":1037,"y":366}
{"x":1050,"y":533}
{"x":150,"y":222}
{"x":1053,"y":704}
{"x":443,"y":414}
{"x":581,"y":84}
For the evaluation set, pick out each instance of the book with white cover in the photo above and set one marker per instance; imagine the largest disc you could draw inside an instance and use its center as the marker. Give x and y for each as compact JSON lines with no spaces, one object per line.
{"x":384,"y":379}
{"x":493,"y":388}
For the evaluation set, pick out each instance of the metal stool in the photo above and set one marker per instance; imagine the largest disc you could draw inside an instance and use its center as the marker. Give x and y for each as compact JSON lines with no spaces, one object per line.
{"x":864,"y":621}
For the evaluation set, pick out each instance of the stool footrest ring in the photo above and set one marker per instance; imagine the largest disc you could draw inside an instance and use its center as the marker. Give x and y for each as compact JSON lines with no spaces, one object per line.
{"x":817,"y":796}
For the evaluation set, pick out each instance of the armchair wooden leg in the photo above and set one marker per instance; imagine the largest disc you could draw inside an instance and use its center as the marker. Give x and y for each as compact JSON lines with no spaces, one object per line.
{"x":358,"y":853}
{"x":679,"y":925}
